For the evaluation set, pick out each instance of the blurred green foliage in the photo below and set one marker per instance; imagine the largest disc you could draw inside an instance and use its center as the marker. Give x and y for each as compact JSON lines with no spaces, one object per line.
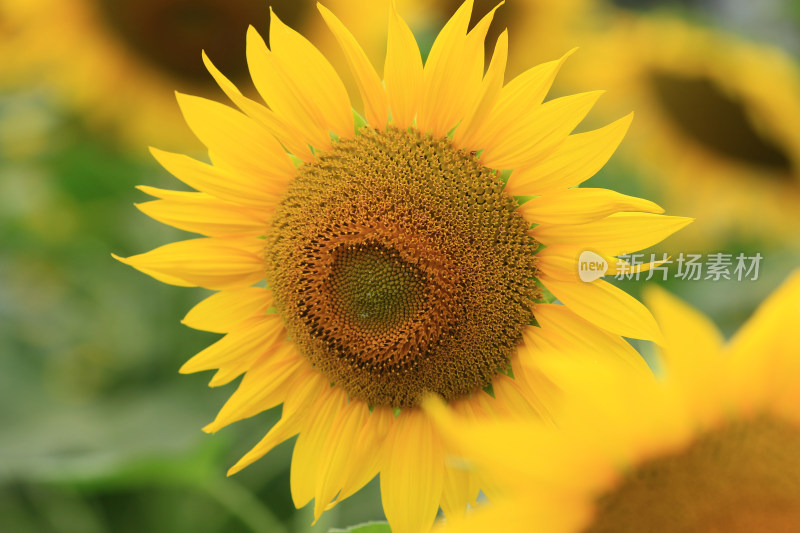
{"x":100,"y":432}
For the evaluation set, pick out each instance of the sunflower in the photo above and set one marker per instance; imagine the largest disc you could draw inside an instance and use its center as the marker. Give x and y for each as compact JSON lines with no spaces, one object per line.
{"x":109,"y":57}
{"x":716,"y":115}
{"x":397,"y":259}
{"x":710,"y":447}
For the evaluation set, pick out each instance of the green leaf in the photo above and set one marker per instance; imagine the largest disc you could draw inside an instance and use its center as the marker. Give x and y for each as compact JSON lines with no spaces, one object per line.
{"x":369,"y":527}
{"x":120,"y":439}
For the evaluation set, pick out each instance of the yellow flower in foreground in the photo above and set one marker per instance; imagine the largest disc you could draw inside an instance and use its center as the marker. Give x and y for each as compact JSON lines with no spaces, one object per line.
{"x":119,"y":61}
{"x":397,"y":261}
{"x":715,"y":115}
{"x":711,"y":447}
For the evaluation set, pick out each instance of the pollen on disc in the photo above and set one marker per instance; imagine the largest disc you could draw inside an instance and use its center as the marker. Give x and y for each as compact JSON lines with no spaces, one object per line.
{"x":400,"y":266}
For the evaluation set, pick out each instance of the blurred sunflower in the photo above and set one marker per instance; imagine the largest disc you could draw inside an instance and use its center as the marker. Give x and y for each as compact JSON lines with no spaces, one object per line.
{"x":397,"y":261}
{"x":717,"y":116}
{"x":538,"y":29}
{"x":711,"y":447}
{"x":119,"y":61}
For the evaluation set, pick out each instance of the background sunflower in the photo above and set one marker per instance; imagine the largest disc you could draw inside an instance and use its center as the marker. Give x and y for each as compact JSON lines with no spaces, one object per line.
{"x":89,"y":349}
{"x":715,"y":125}
{"x":118,"y":63}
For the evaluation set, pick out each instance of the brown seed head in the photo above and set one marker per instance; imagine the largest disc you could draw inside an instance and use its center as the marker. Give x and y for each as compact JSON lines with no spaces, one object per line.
{"x":400,"y":266}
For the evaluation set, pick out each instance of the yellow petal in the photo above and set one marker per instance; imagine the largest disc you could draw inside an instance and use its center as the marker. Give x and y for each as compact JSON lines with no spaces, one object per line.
{"x":579,"y":206}
{"x":227,"y":372}
{"x":689,"y":336}
{"x":509,"y":392}
{"x":562,"y":263}
{"x":412,"y":482}
{"x":247,"y":342}
{"x":469,"y":411}
{"x":337,"y":456}
{"x":321,"y":90}
{"x":235,"y":367}
{"x":306,"y":389}
{"x":606,"y":306}
{"x":304,"y":392}
{"x":491,"y":407}
{"x":241,"y":188}
{"x":368,"y":453}
{"x":513,"y":514}
{"x":773,"y":326}
{"x":574,"y":161}
{"x":402,"y":71}
{"x":211,"y":263}
{"x":312,"y":444}
{"x":289,"y":136}
{"x":206,"y":215}
{"x":158,"y":276}
{"x":223,"y":311}
{"x":608,"y":417}
{"x":263,"y":387}
{"x":763,"y":354}
{"x":373,"y":95}
{"x":455,"y":492}
{"x":620,"y":233}
{"x":516,"y":105}
{"x":692,"y":359}
{"x":470,"y":436}
{"x":161,"y":194}
{"x":453,"y":72}
{"x":543,"y":395}
{"x":490,"y":91}
{"x":282,"y":93}
{"x":562,"y":331}
{"x":236,"y":138}
{"x":529,"y":140}
{"x":284,"y":429}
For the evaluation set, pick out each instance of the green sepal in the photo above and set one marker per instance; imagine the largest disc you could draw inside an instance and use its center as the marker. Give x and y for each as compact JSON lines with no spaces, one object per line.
{"x":547,"y":296}
{"x":358,"y":121}
{"x":453,"y":131}
{"x":522,"y":199}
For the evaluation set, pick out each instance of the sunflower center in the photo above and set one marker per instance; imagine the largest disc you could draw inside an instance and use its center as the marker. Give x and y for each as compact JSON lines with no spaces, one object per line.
{"x":170,"y":33}
{"x":373,"y":288}
{"x":400,"y":266}
{"x":739,"y":479}
{"x":720,"y":123}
